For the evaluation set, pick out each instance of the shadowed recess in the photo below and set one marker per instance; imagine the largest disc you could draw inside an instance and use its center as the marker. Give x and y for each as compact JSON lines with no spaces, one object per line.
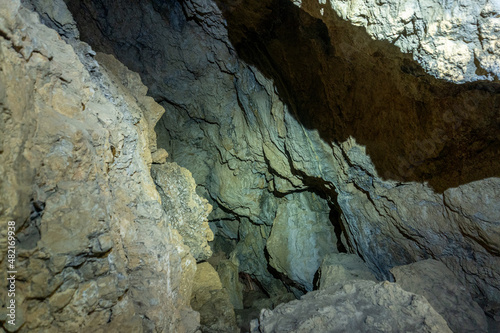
{"x":339,"y":81}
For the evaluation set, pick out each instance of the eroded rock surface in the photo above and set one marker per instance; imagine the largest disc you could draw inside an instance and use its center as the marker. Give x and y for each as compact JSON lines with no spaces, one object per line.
{"x":96,"y":251}
{"x":211,"y":299}
{"x":187,"y":211}
{"x":356,"y":306}
{"x":453,"y":40}
{"x":340,"y":267}
{"x":301,"y":236}
{"x":265,"y":100}
{"x":433,"y":280}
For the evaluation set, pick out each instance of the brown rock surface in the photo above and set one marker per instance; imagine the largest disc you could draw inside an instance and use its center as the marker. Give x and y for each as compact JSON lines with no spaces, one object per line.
{"x":95,"y":250}
{"x":212,"y":301}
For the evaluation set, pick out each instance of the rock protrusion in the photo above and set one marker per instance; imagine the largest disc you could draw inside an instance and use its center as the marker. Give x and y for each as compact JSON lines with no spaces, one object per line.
{"x":355,"y":306}
{"x":187,"y":211}
{"x":343,"y":267}
{"x":212,"y":301}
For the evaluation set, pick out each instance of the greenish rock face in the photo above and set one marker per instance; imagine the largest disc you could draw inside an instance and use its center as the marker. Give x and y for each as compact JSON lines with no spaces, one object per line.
{"x":301,"y":236}
{"x":261,"y":112}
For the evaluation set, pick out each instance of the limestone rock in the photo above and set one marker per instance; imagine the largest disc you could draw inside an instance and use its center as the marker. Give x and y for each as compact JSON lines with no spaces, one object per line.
{"x":433,"y":280}
{"x":212,"y":301}
{"x":187,"y":211}
{"x":251,"y":255}
{"x":96,"y":251}
{"x":473,"y":203}
{"x":315,"y":104}
{"x":340,"y":267}
{"x":301,"y":236}
{"x":356,"y":306}
{"x":159,"y":156}
{"x":55,"y":15}
{"x":229,"y":276}
{"x":451,"y":40}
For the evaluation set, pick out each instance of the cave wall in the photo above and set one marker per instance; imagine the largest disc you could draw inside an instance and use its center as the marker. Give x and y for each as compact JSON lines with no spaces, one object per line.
{"x":264,"y":100}
{"x":95,"y":249}
{"x":306,"y":136}
{"x":452,"y":40}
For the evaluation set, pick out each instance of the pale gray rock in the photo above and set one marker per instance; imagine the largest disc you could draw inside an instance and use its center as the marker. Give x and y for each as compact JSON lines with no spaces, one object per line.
{"x":453,"y":40}
{"x":433,"y":280}
{"x":356,"y":306}
{"x":55,"y":15}
{"x":340,"y":267}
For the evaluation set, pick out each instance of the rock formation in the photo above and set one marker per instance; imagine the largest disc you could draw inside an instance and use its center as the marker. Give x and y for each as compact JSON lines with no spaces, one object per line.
{"x":212,"y":301}
{"x":343,"y":267}
{"x":433,"y":280}
{"x":453,"y":40}
{"x":311,"y":128}
{"x":322,"y":109}
{"x":357,"y":306}
{"x":95,"y":252}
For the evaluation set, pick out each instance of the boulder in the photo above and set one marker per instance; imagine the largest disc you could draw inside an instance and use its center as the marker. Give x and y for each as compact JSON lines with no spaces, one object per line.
{"x":447,"y":295}
{"x":343,"y":267}
{"x":355,"y":306}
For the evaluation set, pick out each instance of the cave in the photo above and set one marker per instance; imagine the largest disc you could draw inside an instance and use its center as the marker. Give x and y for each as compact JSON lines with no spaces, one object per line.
{"x":250,"y":166}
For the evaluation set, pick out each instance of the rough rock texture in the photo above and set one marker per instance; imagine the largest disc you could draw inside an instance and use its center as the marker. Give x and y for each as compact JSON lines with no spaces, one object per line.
{"x":229,"y":277}
{"x":264,"y":100}
{"x":301,"y":236}
{"x":95,"y":251}
{"x":187,"y":211}
{"x":340,"y":267}
{"x":212,"y":301}
{"x":454,"y":40}
{"x":433,"y":280}
{"x":356,"y":306}
{"x":251,"y":254}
